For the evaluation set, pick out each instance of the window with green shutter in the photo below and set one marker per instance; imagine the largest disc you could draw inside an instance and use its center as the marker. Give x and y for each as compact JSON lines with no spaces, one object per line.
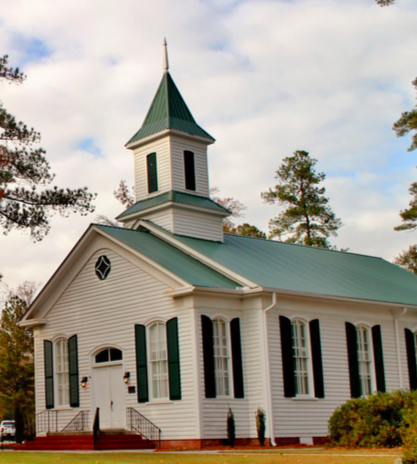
{"x":189,"y":170}
{"x":74,"y":392}
{"x":410,"y":343}
{"x":141,"y":363}
{"x":173,"y":359}
{"x":152,"y":173}
{"x":237,"y":363}
{"x":49,"y":373}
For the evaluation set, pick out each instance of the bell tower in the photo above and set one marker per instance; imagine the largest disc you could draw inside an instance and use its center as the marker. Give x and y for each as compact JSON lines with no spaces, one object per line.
{"x":171,"y":171}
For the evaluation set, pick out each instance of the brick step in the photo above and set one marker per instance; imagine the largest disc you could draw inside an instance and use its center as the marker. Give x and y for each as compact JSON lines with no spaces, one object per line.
{"x":86,"y":442}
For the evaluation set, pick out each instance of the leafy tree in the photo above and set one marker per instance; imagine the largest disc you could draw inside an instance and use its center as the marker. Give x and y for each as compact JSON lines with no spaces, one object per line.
{"x":230,"y":203}
{"x":307,"y":219}
{"x":248,"y":230}
{"x":25,"y":203}
{"x":124,"y":195}
{"x":408,"y":259}
{"x":385,"y":2}
{"x":17,"y":367}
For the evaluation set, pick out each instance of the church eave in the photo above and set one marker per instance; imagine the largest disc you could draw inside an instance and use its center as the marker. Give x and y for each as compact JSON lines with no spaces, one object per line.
{"x":132,"y":144}
{"x":170,"y":204}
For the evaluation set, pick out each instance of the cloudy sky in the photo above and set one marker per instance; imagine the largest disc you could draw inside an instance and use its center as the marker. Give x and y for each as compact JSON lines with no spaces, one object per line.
{"x":264,"y":77}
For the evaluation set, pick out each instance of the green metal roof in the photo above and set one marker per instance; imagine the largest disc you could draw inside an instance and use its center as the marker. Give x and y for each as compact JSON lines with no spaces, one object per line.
{"x":168,"y":111}
{"x":297,"y":268}
{"x":176,"y":197}
{"x":181,"y":264}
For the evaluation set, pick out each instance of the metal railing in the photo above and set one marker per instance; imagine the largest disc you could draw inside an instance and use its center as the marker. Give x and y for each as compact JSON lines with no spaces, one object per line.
{"x":143,"y":426}
{"x":96,"y":426}
{"x":47,"y":421}
{"x":79,"y":423}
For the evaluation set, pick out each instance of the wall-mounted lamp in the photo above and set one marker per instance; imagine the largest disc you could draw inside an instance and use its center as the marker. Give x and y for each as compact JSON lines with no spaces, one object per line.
{"x":126,"y":377}
{"x":84,"y":381}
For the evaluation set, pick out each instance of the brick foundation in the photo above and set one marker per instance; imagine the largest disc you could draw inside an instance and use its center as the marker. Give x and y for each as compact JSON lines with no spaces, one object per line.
{"x":242,"y":443}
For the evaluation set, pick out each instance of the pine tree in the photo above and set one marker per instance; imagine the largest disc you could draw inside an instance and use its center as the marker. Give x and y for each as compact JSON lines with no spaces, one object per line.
{"x":25,"y":202}
{"x":408,"y":259}
{"x":307,"y":219}
{"x":408,"y":123}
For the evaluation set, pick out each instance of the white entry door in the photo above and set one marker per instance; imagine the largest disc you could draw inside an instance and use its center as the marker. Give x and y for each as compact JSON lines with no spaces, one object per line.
{"x":109,"y":391}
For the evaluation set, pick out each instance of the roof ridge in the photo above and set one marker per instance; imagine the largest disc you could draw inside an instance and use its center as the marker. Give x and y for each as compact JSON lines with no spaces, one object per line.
{"x":304,"y":246}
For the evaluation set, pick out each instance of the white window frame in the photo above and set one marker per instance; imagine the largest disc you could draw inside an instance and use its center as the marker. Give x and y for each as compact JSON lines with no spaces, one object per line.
{"x":303,"y":367}
{"x":61,"y":372}
{"x":222,"y":359}
{"x":158,"y":361}
{"x":366,"y":364}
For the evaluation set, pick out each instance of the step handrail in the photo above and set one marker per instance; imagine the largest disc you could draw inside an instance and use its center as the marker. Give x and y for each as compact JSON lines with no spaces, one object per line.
{"x":78,"y":423}
{"x":47,"y":421}
{"x":143,"y":426}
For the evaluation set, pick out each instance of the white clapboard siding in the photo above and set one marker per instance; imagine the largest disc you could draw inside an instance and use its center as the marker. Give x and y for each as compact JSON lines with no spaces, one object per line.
{"x":162,"y":149}
{"x":309,"y":417}
{"x":253,"y":373}
{"x":197,"y":224}
{"x":103,"y":313}
{"x":162,"y":218}
{"x":178,"y":146}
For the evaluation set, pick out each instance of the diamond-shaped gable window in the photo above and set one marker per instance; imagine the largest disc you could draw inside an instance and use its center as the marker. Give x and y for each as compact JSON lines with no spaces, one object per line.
{"x":103,"y":267}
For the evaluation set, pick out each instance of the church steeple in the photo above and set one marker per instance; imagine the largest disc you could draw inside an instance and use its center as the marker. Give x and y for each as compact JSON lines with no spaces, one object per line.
{"x":171,"y":172}
{"x":168,"y":111}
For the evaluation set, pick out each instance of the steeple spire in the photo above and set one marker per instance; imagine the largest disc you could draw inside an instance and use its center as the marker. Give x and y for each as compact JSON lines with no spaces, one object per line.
{"x":166,"y":64}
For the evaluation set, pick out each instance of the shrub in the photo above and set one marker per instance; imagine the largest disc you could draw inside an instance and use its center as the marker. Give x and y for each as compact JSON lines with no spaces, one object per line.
{"x":379,"y":420}
{"x":231,"y":435}
{"x":409,"y":433}
{"x":260,"y":425}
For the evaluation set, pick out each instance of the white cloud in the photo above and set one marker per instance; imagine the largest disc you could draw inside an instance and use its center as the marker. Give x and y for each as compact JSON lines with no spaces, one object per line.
{"x":264,"y":77}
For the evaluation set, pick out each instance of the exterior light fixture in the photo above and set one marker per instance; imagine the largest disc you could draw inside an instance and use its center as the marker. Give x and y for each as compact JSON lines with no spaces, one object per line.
{"x":84,"y":382}
{"x":126,"y":377}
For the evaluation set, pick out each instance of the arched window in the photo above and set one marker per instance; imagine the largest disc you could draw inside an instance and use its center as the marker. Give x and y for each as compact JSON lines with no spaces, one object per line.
{"x":158,"y":360}
{"x":109,"y":355}
{"x":364,"y":359}
{"x":301,"y":357}
{"x":62,"y":372}
{"x":221,"y":357}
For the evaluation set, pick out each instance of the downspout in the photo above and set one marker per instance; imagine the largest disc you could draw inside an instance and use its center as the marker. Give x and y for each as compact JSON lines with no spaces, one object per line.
{"x":397,"y":343}
{"x":270,"y":413}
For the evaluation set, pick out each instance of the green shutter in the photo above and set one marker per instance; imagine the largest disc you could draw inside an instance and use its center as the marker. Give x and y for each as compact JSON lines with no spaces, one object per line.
{"x":237,"y":358}
{"x":287,"y":357}
{"x":411,"y":358}
{"x":73,"y":372}
{"x":173,"y":359}
{"x":317,"y":358}
{"x":152,"y":173}
{"x":141,"y":363}
{"x":379,"y":358}
{"x":208,"y":356}
{"x":352,"y":349}
{"x":49,"y":374}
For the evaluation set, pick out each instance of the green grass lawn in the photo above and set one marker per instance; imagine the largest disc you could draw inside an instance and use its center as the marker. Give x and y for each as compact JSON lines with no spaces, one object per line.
{"x":282,"y":456}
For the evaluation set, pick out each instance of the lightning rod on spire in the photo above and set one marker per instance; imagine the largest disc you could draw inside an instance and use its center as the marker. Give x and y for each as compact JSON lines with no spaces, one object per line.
{"x":166,"y":65}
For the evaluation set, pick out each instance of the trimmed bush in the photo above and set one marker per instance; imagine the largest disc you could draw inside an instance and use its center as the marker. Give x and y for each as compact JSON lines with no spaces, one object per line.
{"x":380,"y":420}
{"x":260,"y":425}
{"x":231,"y":435}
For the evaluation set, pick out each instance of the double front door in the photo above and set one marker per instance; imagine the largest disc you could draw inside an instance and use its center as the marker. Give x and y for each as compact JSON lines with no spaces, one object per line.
{"x":109,"y":394}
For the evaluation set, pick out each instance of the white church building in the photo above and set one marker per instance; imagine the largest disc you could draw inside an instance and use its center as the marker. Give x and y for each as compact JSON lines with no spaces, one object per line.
{"x":170,"y":322}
